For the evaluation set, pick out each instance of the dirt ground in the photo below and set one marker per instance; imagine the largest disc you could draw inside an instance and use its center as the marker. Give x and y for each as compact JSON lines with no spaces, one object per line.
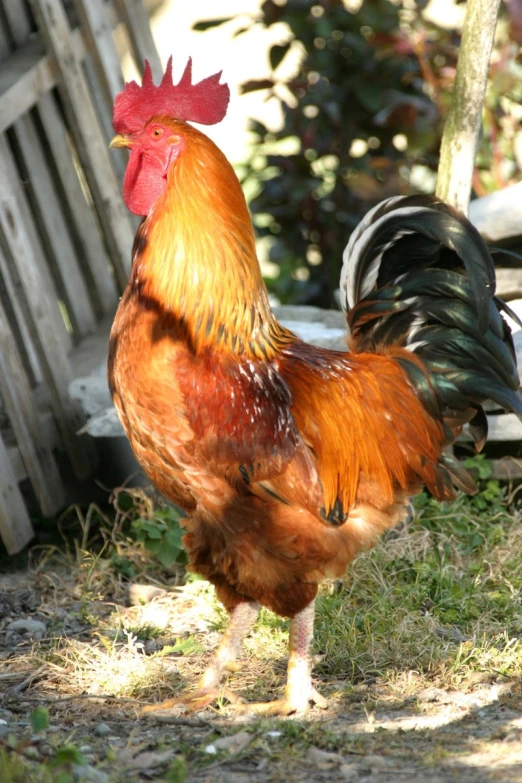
{"x":368,"y":733}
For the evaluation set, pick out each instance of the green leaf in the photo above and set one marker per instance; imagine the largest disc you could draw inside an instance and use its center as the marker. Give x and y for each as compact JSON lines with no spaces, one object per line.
{"x":167,"y":554}
{"x":182,"y":646}
{"x":153,"y":545}
{"x":39,"y":719}
{"x":69,"y":754}
{"x":173,"y":537}
{"x":207,"y":24}
{"x":177,"y":772}
{"x":149,"y":528}
{"x":277,"y":53}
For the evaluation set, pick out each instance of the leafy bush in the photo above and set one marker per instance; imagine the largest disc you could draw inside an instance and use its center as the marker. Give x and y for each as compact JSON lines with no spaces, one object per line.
{"x":362,"y":120}
{"x":162,"y":536}
{"x":143,"y":517}
{"x":355,"y":103}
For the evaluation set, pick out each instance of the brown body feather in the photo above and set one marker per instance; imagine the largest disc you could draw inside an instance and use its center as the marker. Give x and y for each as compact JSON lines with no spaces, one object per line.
{"x":287,"y":458}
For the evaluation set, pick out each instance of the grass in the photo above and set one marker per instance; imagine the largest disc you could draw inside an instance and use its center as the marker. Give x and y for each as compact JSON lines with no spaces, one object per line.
{"x":436,"y":604}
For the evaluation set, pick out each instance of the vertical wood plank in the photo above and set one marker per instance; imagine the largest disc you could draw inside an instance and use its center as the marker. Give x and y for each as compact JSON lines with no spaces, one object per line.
{"x":16,"y":238}
{"x":97,"y":23}
{"x":62,"y":253}
{"x":85,"y":126}
{"x":22,"y":412}
{"x":9,"y":291}
{"x":102,"y":67}
{"x":103,"y":110}
{"x":14,"y":193}
{"x":136,"y":19}
{"x":92,"y":249}
{"x":17,"y":28}
{"x":54,"y":229}
{"x":15,"y":526}
{"x":8,"y":286}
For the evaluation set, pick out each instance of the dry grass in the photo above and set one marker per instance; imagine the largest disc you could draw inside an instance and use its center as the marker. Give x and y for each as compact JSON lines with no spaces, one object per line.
{"x":435,"y":602}
{"x":434,"y":606}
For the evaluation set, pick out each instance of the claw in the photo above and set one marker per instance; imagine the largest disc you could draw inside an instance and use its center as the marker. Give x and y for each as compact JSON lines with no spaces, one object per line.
{"x":282,"y":707}
{"x":197,"y":701}
{"x":319,"y":700}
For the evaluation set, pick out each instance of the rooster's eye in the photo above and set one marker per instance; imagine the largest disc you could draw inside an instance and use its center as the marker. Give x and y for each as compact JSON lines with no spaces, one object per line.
{"x":157,"y":133}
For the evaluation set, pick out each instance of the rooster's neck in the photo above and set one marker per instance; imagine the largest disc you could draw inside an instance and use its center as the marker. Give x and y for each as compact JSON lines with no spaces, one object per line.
{"x":195,"y":256}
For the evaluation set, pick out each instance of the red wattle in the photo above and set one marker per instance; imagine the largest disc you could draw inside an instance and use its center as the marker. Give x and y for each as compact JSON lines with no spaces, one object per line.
{"x":144,"y":182}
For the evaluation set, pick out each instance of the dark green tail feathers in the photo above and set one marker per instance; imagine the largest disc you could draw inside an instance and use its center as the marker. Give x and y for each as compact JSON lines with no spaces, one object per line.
{"x":418,"y":274}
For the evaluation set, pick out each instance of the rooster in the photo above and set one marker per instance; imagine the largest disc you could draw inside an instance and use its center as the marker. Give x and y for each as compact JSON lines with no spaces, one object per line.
{"x":289,"y":459}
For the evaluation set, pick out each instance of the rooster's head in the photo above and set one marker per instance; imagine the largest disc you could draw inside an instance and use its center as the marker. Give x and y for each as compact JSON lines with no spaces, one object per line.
{"x":150,"y":121}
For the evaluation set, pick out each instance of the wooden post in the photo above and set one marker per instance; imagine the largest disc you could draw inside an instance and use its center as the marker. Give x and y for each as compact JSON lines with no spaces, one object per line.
{"x":92,"y":250}
{"x":97,"y":23}
{"x":462,"y":129}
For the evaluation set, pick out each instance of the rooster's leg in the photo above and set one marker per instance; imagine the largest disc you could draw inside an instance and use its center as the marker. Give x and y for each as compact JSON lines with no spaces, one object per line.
{"x":299,"y":691}
{"x":240,"y":623}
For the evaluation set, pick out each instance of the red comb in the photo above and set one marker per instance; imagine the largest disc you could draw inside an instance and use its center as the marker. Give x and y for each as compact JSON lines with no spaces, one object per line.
{"x":204,"y":102}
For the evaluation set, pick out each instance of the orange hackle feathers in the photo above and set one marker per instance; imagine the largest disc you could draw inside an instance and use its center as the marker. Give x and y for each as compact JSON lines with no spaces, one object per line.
{"x":205,"y":102}
{"x":196,"y":253}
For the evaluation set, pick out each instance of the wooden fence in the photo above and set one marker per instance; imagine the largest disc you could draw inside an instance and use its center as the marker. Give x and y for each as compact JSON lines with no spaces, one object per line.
{"x":65,"y":234}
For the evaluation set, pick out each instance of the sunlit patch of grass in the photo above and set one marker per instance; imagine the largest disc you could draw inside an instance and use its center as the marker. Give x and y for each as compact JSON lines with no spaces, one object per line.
{"x":112,"y":668}
{"x":499,"y":654}
{"x":436,"y":602}
{"x":14,"y":769}
{"x":440,"y":597}
{"x":269,"y":639}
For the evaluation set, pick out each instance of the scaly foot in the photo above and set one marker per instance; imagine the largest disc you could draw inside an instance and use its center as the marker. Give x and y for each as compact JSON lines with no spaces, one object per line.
{"x":197,"y":701}
{"x":292,"y":704}
{"x":299,"y":691}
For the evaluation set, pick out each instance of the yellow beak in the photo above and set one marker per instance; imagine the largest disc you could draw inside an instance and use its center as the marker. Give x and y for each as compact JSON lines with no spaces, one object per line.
{"x":121,"y":141}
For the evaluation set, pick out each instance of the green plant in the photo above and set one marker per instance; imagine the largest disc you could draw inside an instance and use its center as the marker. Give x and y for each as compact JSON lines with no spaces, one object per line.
{"x":356,"y":116}
{"x":162,"y":536}
{"x":362,"y":119}
{"x":21,"y":760}
{"x":143,"y":520}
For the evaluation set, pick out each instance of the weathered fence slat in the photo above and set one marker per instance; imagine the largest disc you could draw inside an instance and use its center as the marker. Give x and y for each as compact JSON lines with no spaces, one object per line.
{"x":18,"y":321}
{"x":136,"y":20}
{"x":18,"y":218}
{"x":23,"y":414}
{"x":14,"y":222}
{"x":96,"y":269}
{"x":102,"y":68}
{"x":27,"y":75}
{"x":54,"y":228}
{"x":97,"y":22}
{"x":15,"y":526}
{"x":92,"y":148}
